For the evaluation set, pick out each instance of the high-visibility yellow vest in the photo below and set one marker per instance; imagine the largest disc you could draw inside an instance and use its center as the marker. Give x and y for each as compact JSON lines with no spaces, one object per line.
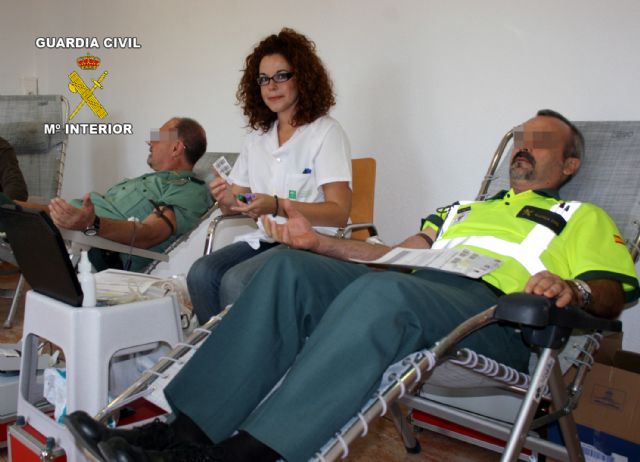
{"x":535,"y":231}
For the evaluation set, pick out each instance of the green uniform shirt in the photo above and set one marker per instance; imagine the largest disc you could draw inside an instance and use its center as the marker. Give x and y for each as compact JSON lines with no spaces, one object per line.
{"x":588,"y":247}
{"x":130,"y":198}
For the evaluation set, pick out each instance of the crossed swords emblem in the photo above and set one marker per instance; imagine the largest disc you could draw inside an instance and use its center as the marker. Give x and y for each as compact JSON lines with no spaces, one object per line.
{"x":77,"y":85}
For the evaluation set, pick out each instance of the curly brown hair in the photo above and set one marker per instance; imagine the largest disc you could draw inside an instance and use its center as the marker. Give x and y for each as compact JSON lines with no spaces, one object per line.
{"x":315,"y":89}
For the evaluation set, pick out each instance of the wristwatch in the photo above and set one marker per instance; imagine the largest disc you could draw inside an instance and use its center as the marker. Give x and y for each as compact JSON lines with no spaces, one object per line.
{"x":584,"y":290}
{"x":92,"y":230}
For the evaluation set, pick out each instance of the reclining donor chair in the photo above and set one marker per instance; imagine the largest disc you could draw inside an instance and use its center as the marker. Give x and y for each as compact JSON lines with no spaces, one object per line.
{"x":608,"y":177}
{"x":41,"y":156}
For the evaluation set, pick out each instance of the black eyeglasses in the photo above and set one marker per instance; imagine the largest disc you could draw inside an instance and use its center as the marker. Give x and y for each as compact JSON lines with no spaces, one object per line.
{"x":278,"y":77}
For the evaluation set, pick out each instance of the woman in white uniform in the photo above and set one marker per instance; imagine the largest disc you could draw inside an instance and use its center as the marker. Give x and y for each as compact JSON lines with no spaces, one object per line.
{"x":295,"y":151}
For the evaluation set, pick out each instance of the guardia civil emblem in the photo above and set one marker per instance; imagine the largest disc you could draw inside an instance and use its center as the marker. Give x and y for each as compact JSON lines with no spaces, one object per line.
{"x":77,"y":85}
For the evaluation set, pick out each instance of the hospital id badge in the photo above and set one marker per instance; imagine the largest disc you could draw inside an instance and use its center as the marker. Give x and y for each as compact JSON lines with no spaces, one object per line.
{"x":461,"y":215}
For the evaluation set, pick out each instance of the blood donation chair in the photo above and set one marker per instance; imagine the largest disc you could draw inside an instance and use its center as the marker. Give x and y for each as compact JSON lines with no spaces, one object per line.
{"x":608,"y":177}
{"x":40,"y":153}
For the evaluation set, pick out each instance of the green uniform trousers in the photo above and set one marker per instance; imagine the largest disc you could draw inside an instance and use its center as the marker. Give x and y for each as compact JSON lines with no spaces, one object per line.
{"x":335,"y":327}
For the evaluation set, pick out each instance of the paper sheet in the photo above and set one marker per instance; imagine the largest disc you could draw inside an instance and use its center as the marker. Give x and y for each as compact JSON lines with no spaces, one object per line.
{"x":461,"y":261}
{"x":113,"y":284}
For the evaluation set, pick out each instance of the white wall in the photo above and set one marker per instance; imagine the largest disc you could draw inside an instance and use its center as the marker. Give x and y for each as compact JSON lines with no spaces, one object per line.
{"x":427,"y":87}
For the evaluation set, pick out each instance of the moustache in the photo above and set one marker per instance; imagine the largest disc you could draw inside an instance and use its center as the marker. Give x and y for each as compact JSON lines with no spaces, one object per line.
{"x":524,"y":154}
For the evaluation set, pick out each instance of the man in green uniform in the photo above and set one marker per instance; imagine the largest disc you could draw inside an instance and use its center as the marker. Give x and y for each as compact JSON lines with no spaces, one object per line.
{"x":149,"y":211}
{"x":333,"y":327}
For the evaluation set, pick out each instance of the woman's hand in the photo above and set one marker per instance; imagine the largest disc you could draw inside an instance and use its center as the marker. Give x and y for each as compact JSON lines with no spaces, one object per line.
{"x":260,"y":204}
{"x":222,"y":193}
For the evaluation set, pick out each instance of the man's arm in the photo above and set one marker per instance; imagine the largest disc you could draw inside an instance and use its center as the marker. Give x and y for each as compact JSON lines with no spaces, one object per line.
{"x":149,"y":232}
{"x":607,"y":294}
{"x":299,"y":234}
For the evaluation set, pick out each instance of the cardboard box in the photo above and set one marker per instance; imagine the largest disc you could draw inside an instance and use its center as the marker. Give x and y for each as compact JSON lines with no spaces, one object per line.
{"x":608,"y":413}
{"x":609,"y":345}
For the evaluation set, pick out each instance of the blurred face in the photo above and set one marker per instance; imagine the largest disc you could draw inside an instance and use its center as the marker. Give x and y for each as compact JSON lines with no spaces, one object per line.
{"x":162,"y":144}
{"x":537,"y":161}
{"x":281,"y":97}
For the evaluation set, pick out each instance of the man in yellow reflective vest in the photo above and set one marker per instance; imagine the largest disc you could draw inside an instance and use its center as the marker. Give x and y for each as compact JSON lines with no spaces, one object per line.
{"x":334,"y":326}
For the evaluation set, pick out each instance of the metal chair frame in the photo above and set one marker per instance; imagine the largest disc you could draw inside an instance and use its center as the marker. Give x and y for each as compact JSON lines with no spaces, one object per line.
{"x":17,"y":295}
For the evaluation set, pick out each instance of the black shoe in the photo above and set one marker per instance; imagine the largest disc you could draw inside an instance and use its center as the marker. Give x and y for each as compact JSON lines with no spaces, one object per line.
{"x":88,"y":432}
{"x":119,"y":450}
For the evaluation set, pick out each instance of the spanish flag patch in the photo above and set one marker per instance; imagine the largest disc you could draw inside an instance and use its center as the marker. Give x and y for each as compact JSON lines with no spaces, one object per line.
{"x":618,"y":239}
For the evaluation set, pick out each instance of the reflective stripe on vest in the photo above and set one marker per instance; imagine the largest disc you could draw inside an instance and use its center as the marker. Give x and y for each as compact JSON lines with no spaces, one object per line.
{"x":527,"y":252}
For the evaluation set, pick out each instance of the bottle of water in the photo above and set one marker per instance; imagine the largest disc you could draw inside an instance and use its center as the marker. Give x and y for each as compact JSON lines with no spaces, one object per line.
{"x":87,"y":280}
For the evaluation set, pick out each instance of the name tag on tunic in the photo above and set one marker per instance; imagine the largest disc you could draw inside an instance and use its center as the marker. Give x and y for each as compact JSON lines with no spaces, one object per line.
{"x":461,"y":215}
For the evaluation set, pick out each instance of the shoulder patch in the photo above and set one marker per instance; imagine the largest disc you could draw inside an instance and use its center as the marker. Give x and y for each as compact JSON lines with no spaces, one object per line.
{"x":554,"y":221}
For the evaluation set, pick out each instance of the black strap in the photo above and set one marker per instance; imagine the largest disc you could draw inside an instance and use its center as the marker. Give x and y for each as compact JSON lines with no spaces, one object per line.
{"x":159,"y":211}
{"x":426,"y":238}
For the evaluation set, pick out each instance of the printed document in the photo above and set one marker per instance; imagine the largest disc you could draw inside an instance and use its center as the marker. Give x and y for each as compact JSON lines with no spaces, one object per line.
{"x":461,"y":261}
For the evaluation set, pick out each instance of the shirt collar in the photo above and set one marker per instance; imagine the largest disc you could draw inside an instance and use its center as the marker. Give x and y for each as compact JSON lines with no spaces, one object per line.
{"x":179,"y":174}
{"x":546,"y":192}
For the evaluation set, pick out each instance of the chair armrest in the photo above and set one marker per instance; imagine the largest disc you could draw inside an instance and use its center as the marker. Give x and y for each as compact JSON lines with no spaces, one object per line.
{"x":83,"y":241}
{"x":216,"y":223}
{"x":543,"y":324}
{"x":538,"y":311}
{"x":343,"y":233}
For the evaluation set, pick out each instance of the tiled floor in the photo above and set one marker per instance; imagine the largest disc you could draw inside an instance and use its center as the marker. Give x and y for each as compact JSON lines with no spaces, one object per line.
{"x":382,"y":444}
